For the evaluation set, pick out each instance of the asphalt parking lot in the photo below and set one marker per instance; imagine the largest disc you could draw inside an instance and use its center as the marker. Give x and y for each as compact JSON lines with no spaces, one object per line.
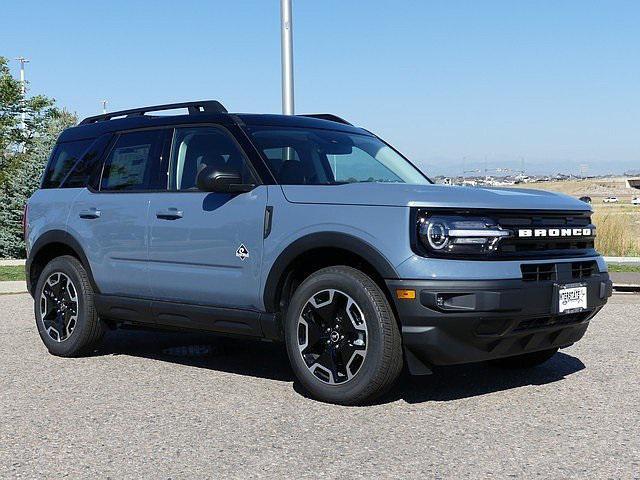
{"x":157,"y":405}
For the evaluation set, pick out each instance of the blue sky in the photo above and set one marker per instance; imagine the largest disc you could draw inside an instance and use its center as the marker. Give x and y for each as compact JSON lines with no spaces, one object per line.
{"x":556,"y":83}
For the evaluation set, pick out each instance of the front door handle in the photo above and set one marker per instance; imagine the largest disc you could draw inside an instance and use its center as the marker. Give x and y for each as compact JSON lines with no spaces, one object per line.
{"x":169,"y":214}
{"x":89,"y":213}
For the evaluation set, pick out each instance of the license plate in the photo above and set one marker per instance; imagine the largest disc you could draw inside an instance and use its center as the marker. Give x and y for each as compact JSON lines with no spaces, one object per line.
{"x":572,"y":298}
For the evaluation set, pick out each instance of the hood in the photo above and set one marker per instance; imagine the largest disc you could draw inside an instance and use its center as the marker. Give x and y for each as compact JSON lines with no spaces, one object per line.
{"x":434,"y":196}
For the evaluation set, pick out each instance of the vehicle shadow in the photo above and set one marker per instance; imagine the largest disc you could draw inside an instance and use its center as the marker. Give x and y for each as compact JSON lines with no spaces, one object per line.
{"x":201,"y":350}
{"x":269,"y":361}
{"x":465,"y":381}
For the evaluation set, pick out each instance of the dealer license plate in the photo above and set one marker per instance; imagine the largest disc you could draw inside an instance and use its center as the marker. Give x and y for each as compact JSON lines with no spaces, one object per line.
{"x":572,"y":298}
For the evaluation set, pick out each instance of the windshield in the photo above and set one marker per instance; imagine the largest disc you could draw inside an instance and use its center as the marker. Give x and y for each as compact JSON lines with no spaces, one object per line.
{"x":304,"y":156}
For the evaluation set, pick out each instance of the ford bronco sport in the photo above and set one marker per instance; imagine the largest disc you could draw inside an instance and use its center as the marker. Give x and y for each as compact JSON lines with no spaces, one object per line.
{"x":307,"y":230}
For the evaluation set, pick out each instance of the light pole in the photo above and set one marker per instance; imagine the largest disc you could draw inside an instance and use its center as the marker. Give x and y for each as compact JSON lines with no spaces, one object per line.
{"x":104,"y":106}
{"x":23,"y":85}
{"x":286,"y":27}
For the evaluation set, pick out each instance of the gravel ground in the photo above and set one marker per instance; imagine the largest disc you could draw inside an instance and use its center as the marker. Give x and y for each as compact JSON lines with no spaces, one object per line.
{"x":151,"y":405}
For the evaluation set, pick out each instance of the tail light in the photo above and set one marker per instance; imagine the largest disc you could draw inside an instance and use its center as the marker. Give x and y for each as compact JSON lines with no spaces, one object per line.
{"x":24,"y":221}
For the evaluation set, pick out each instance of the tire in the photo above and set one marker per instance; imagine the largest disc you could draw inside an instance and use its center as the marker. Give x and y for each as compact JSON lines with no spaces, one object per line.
{"x":81,"y":328}
{"x":527,"y":360}
{"x":367,"y":353}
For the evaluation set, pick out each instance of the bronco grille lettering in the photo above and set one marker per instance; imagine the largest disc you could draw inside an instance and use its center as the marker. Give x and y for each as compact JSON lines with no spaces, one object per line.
{"x":555,"y":232}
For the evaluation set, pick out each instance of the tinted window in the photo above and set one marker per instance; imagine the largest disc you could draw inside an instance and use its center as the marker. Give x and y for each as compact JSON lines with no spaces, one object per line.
{"x":299,"y":156}
{"x":81,"y":172}
{"x":135,"y":163}
{"x":64,"y":157}
{"x":200,"y":147}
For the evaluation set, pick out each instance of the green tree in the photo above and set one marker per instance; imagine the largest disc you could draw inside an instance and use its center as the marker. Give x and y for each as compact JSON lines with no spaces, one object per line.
{"x":23,"y":153}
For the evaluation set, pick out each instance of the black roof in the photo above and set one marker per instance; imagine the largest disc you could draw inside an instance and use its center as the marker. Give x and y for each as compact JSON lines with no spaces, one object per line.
{"x":209,"y":111}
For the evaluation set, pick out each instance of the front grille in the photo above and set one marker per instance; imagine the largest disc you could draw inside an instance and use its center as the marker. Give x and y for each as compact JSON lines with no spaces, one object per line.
{"x":540,"y":247}
{"x":581,"y":270}
{"x":538,"y":272}
{"x":544,"y":272}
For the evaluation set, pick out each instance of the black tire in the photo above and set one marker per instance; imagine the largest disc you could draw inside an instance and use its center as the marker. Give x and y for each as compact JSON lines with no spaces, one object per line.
{"x":88,"y":329}
{"x":527,"y":360}
{"x":382,"y":363}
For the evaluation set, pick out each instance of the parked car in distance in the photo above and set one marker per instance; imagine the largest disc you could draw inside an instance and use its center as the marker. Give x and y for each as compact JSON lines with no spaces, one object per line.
{"x":306,"y":230}
{"x":585,"y":199}
{"x":635,"y":201}
{"x":610,"y":200}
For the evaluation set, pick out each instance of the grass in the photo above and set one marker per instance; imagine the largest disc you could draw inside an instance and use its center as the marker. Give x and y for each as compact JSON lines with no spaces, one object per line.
{"x":618,"y":267}
{"x":12,"y":273}
{"x":617,"y":234}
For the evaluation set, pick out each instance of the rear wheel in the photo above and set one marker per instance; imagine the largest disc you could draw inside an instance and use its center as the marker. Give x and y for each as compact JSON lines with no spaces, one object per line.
{"x":342,"y":337}
{"x":527,"y":360}
{"x":67,"y":321}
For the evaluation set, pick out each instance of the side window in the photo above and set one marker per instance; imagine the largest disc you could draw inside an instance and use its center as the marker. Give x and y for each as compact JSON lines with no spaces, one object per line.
{"x":85,"y":167}
{"x":64,"y":157}
{"x":135,"y":163}
{"x":195,"y":148}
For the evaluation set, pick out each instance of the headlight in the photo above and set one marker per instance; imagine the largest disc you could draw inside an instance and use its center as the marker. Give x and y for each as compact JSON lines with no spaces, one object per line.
{"x":451,"y":235}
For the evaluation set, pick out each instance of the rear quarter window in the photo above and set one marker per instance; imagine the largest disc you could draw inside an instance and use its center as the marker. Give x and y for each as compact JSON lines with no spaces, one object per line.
{"x":63,"y":158}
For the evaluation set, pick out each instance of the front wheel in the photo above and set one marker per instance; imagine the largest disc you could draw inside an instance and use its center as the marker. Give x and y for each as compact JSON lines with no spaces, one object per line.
{"x":526,"y":360}
{"x":342,"y":337}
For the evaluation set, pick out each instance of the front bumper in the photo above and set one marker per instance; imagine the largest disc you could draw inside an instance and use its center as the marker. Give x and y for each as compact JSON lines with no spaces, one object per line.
{"x":453,"y":322}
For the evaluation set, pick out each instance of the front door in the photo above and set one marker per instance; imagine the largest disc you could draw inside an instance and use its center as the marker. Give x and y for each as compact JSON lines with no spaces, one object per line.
{"x":206,"y":248}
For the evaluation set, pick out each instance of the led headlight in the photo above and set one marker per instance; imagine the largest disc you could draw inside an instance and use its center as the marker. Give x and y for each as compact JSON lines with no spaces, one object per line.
{"x":459,"y":235}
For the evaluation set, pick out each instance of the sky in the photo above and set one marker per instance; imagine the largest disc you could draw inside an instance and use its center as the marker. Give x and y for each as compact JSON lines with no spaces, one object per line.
{"x":455,"y":85}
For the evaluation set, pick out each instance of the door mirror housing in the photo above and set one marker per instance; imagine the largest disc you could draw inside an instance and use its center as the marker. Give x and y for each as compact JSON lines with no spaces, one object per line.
{"x":222,"y":181}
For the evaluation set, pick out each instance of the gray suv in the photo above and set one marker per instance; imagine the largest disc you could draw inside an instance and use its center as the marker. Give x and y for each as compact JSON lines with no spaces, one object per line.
{"x":301,"y":229}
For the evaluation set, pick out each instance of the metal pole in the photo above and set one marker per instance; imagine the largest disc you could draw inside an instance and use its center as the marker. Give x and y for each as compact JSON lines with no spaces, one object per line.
{"x":23,"y":85}
{"x":104,"y":106}
{"x":287,"y":56}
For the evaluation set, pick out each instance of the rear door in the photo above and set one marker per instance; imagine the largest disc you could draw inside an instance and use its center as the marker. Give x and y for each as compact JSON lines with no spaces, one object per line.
{"x":206,"y":248}
{"x":111,"y":222}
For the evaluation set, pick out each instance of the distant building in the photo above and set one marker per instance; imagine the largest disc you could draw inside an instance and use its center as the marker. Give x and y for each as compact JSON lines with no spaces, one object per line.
{"x":633,"y":182}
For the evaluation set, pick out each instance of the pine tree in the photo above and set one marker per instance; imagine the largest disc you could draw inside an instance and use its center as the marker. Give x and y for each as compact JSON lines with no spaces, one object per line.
{"x":23,"y":153}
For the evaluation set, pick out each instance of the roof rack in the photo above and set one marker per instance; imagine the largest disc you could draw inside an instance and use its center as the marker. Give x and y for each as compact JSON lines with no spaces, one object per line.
{"x":327,"y":116}
{"x":205,"y":106}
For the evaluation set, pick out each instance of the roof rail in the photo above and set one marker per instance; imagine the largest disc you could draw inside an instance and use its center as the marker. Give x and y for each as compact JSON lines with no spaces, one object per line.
{"x":327,"y":116}
{"x":204,"y":106}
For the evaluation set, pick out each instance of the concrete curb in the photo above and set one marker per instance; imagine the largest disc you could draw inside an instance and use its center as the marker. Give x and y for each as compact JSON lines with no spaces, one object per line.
{"x":12,"y":263}
{"x":623,"y":260}
{"x":11,"y":288}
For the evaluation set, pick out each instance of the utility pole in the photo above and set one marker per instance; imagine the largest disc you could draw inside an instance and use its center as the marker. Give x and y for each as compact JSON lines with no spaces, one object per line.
{"x":286,"y":26}
{"x":23,"y":85}
{"x":104,"y":106}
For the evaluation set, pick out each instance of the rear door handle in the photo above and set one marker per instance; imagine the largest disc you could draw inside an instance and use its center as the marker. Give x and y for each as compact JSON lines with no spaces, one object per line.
{"x":169,"y":214}
{"x":89,"y":213}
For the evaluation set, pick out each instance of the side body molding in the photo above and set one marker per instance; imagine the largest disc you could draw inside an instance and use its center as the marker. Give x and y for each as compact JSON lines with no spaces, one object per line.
{"x":317,"y":240}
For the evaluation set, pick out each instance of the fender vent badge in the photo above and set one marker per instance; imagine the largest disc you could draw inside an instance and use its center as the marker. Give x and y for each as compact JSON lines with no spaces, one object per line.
{"x":242,"y":252}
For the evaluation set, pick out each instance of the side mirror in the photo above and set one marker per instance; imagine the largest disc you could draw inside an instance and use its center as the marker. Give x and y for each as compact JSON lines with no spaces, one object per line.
{"x":213,"y":180}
